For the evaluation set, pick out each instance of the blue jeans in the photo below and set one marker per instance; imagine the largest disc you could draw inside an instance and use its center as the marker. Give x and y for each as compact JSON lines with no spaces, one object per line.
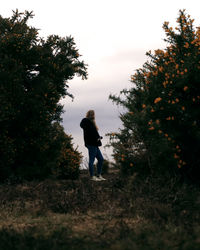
{"x":94,"y":152}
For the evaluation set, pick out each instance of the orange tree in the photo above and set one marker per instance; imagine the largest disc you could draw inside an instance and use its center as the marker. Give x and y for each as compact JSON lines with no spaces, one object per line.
{"x":33,"y":77}
{"x":161,"y":124}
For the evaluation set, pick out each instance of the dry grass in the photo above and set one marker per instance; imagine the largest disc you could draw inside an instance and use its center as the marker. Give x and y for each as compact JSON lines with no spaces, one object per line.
{"x":120,"y":213}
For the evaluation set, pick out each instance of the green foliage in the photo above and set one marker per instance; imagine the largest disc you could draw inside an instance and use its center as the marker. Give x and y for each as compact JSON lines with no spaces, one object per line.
{"x":69,"y":160}
{"x":33,"y":76}
{"x":162,"y":118}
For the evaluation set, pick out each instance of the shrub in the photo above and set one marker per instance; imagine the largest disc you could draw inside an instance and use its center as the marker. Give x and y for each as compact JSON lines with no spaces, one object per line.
{"x":69,"y":160}
{"x":33,"y":76}
{"x":162,"y":117}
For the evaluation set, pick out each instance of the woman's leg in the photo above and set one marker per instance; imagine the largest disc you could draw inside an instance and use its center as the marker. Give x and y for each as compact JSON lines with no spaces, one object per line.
{"x":100,"y":161}
{"x":92,"y":151}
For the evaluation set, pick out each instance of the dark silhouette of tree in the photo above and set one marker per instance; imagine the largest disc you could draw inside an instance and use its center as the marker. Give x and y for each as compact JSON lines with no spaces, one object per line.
{"x":33,"y":78}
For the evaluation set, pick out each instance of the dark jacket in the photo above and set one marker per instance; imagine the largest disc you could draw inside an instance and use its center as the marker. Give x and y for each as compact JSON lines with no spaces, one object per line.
{"x":90,"y":133}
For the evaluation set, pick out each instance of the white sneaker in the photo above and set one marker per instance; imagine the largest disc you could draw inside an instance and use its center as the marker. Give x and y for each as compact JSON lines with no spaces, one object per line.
{"x":94,"y":178}
{"x":100,"y":177}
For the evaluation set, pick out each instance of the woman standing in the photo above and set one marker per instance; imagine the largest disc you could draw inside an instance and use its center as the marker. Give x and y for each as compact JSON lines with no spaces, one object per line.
{"x":92,"y":141}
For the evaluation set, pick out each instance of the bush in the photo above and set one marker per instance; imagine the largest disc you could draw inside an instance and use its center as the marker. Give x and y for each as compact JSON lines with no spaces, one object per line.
{"x":69,"y":160}
{"x":69,"y":165}
{"x":33,"y":76}
{"x":162,"y":118}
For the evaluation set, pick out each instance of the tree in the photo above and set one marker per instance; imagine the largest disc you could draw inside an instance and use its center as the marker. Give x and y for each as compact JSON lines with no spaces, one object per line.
{"x":33,"y":77}
{"x":162,"y":119}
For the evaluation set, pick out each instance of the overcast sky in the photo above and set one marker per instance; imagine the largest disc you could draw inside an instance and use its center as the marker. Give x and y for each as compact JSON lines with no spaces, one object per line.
{"x":112,"y":36}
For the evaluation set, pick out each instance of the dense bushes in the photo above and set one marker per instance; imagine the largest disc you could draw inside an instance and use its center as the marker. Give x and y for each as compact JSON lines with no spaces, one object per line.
{"x":69,"y":160}
{"x":33,"y":76}
{"x":162,"y":118}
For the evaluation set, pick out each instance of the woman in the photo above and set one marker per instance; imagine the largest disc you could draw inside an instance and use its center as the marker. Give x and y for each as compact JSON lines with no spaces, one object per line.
{"x":92,"y":141}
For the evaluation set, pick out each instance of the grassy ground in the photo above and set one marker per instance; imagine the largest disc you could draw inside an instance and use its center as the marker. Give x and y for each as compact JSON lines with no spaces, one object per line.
{"x":116,"y":214}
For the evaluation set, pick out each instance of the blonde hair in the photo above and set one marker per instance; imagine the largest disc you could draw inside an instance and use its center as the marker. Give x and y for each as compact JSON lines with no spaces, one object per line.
{"x":91,"y":116}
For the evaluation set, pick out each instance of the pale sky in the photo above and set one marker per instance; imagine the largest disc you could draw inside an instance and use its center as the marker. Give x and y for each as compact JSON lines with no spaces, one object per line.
{"x":112,"y":36}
